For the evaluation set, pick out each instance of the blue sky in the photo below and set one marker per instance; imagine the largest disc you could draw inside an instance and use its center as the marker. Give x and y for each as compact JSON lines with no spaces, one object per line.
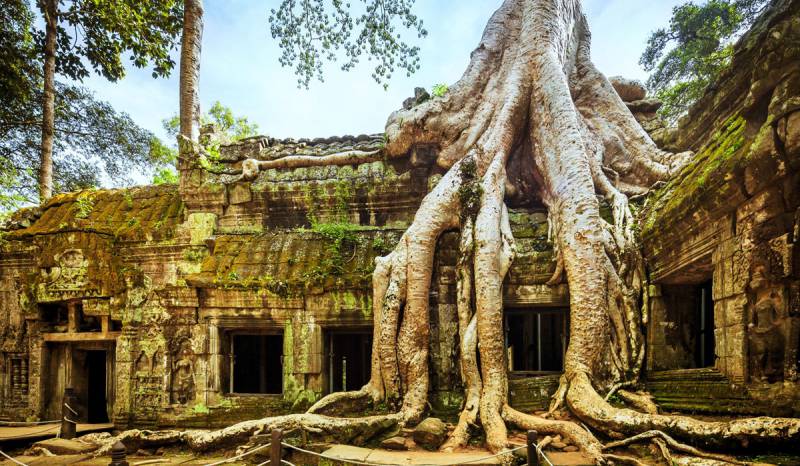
{"x":240,"y":67}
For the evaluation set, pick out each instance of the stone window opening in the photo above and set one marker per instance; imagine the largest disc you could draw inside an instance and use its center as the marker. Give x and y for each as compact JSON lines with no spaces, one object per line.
{"x":536,"y":340}
{"x":16,"y":380}
{"x":68,"y":317}
{"x":54,"y":317}
{"x":256,"y":362}
{"x":87,"y":323}
{"x":349,"y":354}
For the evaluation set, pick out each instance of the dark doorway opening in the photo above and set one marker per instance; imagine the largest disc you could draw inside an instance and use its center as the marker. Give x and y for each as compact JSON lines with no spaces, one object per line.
{"x":96,"y":384}
{"x":689,"y":333}
{"x":349,"y":358}
{"x":704,"y":350}
{"x":536,"y":339}
{"x":257,"y":364}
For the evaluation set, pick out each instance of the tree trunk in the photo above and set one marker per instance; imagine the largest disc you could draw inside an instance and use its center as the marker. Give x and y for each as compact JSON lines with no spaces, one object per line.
{"x":48,"y":102}
{"x":190,"y":69}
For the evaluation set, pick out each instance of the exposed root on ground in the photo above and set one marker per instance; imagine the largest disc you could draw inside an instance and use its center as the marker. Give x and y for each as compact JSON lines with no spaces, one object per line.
{"x":354,"y":431}
{"x":639,"y":401}
{"x":664,"y":442}
{"x":580,"y":437}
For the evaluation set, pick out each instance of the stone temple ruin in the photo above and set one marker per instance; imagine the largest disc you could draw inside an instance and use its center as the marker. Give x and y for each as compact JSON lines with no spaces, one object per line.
{"x":218,"y":300}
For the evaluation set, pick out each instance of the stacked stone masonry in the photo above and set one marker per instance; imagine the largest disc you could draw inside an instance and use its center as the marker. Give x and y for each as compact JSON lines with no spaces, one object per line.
{"x":728,"y":225}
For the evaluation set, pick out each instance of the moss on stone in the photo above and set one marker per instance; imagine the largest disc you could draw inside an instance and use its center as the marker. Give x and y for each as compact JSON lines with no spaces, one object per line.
{"x":722,"y":155}
{"x":130,"y":214}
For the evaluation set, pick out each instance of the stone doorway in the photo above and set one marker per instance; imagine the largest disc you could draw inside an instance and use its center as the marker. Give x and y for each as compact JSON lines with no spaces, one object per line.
{"x":96,"y":376}
{"x":349,"y":358}
{"x":704,"y":353}
{"x":257,"y":364}
{"x":689,"y":326}
{"x":87,"y":368}
{"x":536,"y":339}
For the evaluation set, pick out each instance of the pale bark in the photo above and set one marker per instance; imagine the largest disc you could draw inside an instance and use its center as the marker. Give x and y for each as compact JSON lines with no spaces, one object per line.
{"x":340,"y":429}
{"x":639,"y":401}
{"x":251,"y":167}
{"x":191,"y":41}
{"x":468,"y":338}
{"x":48,"y":101}
{"x":665,"y":442}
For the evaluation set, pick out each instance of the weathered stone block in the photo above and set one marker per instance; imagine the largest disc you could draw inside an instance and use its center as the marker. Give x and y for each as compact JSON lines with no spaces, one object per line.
{"x":60,"y":446}
{"x":430,"y":433}
{"x":240,"y":193}
{"x":735,"y":309}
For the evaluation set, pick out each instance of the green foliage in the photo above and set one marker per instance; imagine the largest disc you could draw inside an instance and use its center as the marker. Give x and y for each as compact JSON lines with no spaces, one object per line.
{"x":341,"y":238}
{"x":84,"y":205}
{"x":200,"y":409}
{"x":470,"y":192}
{"x":95,"y":34}
{"x":165,"y":175}
{"x":380,"y":246}
{"x":690,"y":53}
{"x":313,"y":31}
{"x":230,"y":128}
{"x":18,"y":50}
{"x":235,"y":127}
{"x":439,"y":90}
{"x":93,"y":142}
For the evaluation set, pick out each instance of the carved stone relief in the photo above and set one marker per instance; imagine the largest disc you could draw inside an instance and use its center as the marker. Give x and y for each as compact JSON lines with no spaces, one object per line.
{"x":182,"y":387}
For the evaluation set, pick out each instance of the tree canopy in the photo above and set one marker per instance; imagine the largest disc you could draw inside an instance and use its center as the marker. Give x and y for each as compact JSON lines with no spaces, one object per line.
{"x":313,"y":31}
{"x":92,"y":34}
{"x":688,"y":55}
{"x":94,"y":143}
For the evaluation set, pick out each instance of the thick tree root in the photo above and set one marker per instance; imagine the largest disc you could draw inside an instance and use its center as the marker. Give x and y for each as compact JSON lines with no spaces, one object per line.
{"x":354,"y":431}
{"x":580,"y":437}
{"x":639,"y":401}
{"x":590,"y":407}
{"x":343,"y":402}
{"x":665,"y":441}
{"x":468,"y":339}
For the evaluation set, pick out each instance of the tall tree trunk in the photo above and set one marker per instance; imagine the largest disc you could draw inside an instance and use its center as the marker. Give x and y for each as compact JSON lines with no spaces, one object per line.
{"x":48,"y":101}
{"x":190,"y":69}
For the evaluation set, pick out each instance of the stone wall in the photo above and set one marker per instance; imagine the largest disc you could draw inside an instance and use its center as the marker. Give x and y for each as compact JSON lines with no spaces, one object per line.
{"x":175,"y":273}
{"x":732,"y":216}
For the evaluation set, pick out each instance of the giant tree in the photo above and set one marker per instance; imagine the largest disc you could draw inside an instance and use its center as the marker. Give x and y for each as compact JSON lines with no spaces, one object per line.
{"x":531,"y":101}
{"x":82,"y":33}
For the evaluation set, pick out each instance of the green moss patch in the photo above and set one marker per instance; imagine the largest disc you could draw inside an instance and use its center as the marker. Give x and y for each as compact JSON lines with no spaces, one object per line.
{"x":706,"y":175}
{"x":132,"y":214}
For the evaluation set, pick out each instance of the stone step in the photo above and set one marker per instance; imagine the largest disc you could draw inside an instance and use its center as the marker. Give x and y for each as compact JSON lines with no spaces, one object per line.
{"x":60,"y":446}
